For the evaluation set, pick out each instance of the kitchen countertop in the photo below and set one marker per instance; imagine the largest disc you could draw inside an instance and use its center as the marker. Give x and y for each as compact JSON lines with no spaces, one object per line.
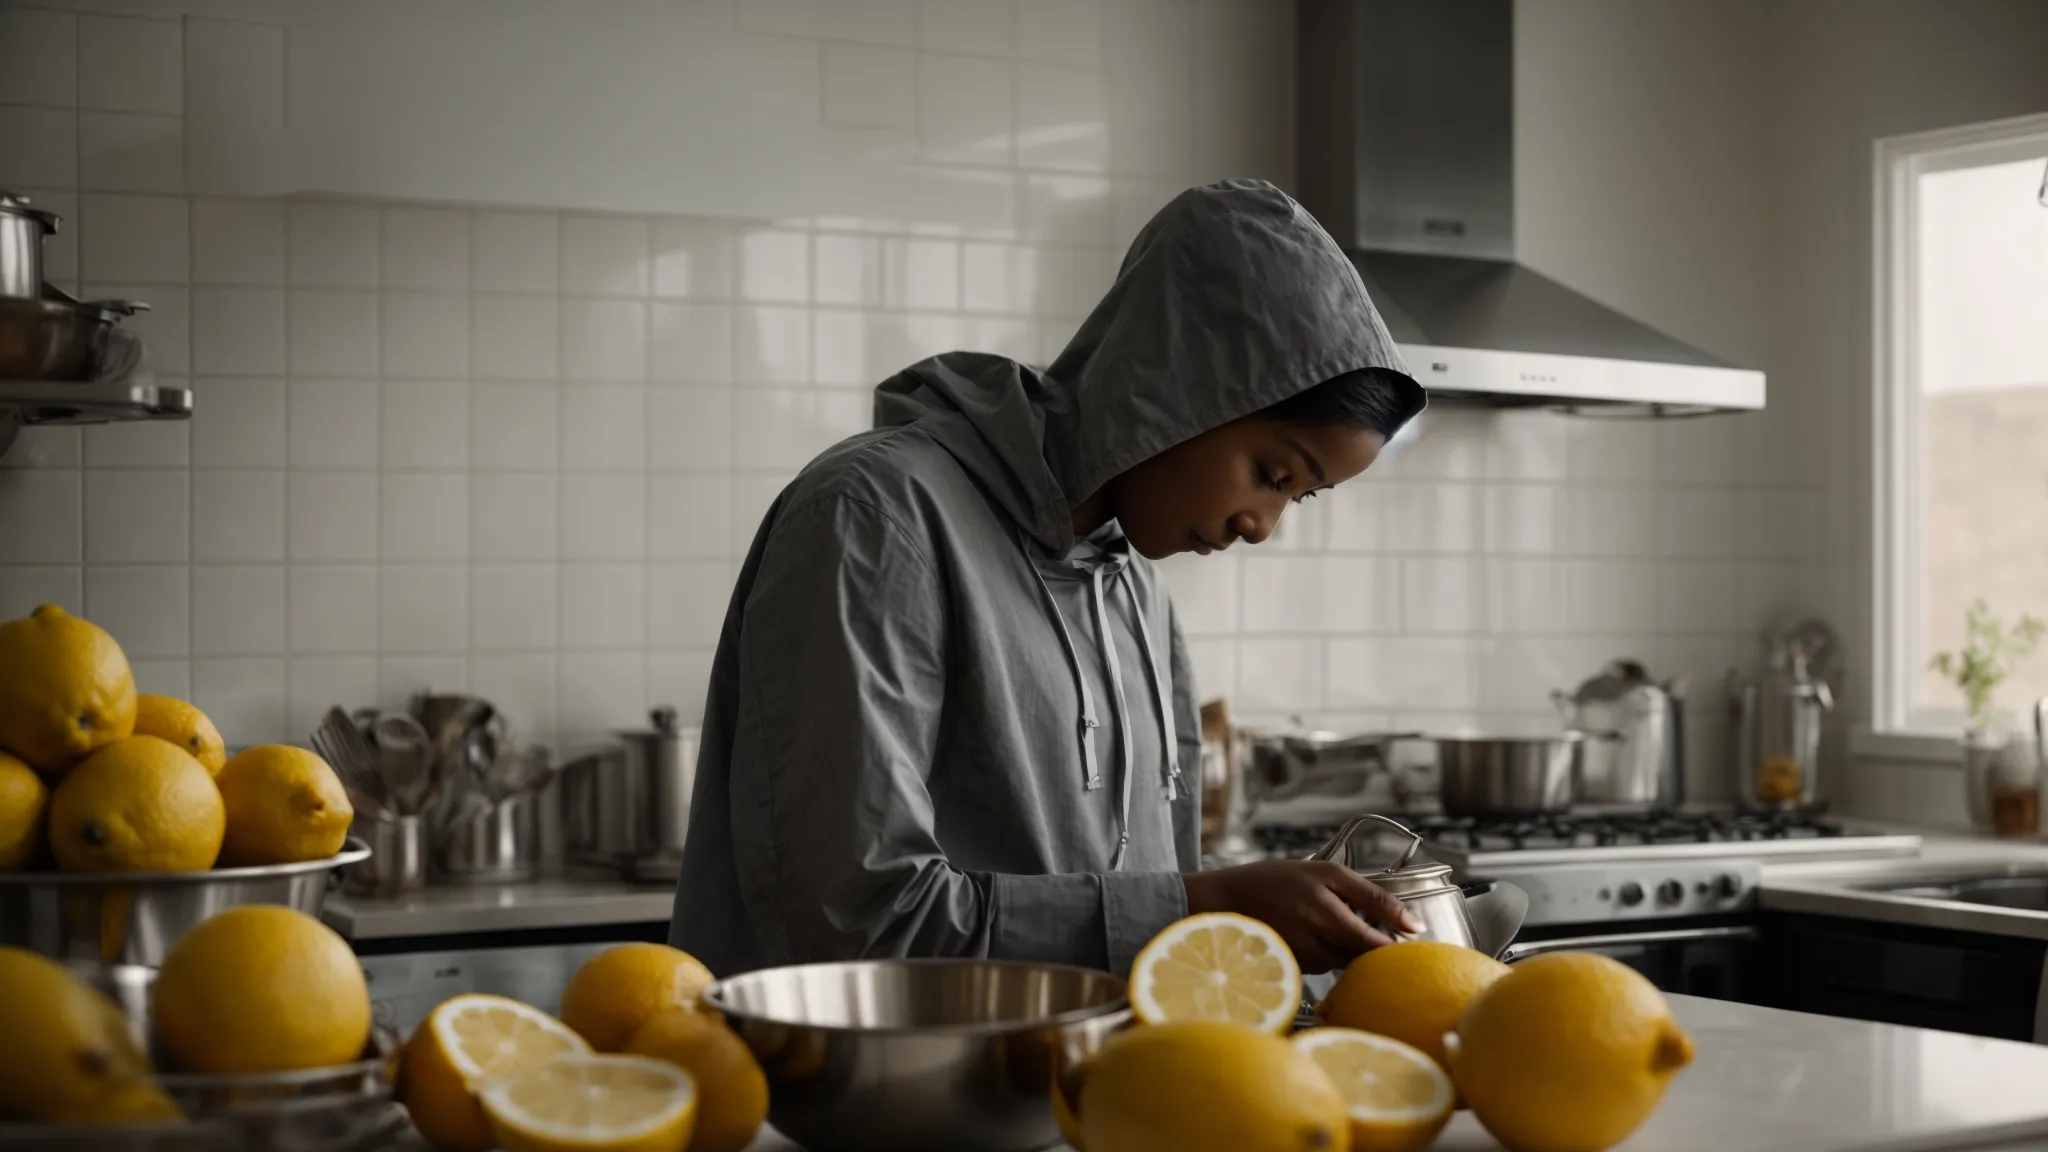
{"x":1842,"y":888}
{"x":551,"y":902}
{"x":1790,"y":1082}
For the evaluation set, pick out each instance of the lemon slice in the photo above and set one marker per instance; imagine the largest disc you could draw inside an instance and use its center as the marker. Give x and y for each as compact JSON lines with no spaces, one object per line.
{"x":1399,"y":1098}
{"x":591,"y":1103}
{"x":465,"y":1041}
{"x":1217,"y":966}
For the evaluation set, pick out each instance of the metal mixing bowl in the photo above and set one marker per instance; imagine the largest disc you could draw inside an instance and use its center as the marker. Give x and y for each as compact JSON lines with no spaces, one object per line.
{"x":135,"y":917}
{"x":920,"y":1055}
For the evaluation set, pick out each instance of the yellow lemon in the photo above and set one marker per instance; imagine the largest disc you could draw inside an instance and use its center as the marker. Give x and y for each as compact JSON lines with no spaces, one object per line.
{"x":1568,"y":1052}
{"x":594,"y":1103}
{"x":732,"y":1092}
{"x":464,"y":1042}
{"x":1209,"y":1086}
{"x":139,"y":804}
{"x":261,"y":988}
{"x":620,"y":989}
{"x":68,"y":1050}
{"x":284,"y":805}
{"x":65,"y":689}
{"x":1414,"y":991}
{"x":24,"y":799}
{"x":171,"y":719}
{"x":1217,"y":966}
{"x":1400,"y":1097}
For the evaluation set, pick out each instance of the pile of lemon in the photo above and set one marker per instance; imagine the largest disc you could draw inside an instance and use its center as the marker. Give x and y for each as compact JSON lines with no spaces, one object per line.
{"x":255,"y":989}
{"x":634,"y":1062}
{"x":96,"y":778}
{"x":1569,"y":1052}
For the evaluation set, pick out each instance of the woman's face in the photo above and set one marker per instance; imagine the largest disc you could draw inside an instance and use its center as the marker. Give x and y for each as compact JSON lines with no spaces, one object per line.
{"x":1233,"y":483}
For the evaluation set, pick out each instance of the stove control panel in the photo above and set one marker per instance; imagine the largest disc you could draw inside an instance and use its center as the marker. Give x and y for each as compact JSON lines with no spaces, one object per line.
{"x":1633,"y":890}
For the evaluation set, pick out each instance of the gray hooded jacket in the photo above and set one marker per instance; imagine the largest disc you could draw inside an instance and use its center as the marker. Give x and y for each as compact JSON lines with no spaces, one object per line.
{"x":939,"y":724}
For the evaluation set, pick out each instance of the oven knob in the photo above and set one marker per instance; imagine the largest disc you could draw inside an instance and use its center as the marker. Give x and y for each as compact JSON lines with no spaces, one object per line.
{"x":1728,"y":886}
{"x":1631,"y":894}
{"x":1670,"y":892}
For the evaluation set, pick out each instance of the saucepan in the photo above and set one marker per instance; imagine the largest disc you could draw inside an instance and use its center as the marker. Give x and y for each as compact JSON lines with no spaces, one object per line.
{"x":934,"y":1055}
{"x":1510,"y":776}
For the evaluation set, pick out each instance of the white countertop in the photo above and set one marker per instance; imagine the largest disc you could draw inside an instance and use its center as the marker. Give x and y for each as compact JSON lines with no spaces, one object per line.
{"x":1844,"y":888}
{"x":553,"y":902}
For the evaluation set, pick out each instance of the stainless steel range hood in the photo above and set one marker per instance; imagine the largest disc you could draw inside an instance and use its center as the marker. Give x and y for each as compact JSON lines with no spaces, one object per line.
{"x":1408,"y":158}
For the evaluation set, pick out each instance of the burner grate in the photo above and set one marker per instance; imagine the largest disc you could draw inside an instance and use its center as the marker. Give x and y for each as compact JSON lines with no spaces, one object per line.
{"x":1580,"y":830}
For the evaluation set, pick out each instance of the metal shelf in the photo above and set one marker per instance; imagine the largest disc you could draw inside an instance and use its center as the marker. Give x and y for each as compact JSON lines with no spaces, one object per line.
{"x":36,"y":402}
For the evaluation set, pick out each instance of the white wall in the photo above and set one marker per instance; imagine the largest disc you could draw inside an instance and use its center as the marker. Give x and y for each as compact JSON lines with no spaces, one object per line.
{"x":518,"y":449}
{"x":1842,"y":74}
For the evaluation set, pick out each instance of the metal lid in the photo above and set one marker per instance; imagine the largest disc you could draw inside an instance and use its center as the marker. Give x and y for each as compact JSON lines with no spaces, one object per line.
{"x":1419,"y":879}
{"x":15,"y":204}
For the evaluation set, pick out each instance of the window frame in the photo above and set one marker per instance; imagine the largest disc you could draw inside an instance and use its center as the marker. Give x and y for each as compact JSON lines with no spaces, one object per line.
{"x":1896,"y":727}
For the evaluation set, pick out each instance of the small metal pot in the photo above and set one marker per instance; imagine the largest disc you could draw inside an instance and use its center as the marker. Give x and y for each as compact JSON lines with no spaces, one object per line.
{"x":629,"y":805}
{"x":1509,"y":776}
{"x":22,"y":230}
{"x":58,"y":339}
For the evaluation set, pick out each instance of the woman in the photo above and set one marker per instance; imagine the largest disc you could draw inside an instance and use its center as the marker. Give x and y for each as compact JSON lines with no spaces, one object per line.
{"x":951,"y":712}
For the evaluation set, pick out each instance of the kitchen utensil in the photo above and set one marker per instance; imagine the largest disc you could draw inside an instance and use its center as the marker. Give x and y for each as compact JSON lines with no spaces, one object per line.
{"x":632,"y":802}
{"x":1643,"y":767}
{"x":1508,"y":776}
{"x":346,"y":1108}
{"x":58,"y":339}
{"x":520,"y":771}
{"x":398,"y":856}
{"x":355,"y":760}
{"x":1313,"y":777}
{"x":920,"y":1055}
{"x":1780,"y":725}
{"x":406,"y":761}
{"x":1425,"y":888}
{"x":135,"y":917}
{"x":500,"y":843}
{"x":23,"y":229}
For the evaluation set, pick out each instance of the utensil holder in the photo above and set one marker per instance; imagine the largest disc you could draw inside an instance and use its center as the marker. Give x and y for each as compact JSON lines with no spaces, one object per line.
{"x":398,"y":857}
{"x":500,"y":846}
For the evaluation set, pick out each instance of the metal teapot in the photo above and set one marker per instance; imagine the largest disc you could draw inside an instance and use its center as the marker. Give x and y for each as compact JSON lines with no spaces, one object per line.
{"x":1482,"y":917}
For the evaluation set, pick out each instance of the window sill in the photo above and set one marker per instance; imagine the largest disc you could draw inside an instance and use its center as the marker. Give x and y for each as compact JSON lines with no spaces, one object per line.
{"x":1934,"y":749}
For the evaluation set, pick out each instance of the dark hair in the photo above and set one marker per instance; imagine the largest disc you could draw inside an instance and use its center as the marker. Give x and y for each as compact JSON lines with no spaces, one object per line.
{"x":1376,"y":399}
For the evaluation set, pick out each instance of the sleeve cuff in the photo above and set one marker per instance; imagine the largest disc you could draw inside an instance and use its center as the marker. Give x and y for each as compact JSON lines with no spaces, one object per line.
{"x":1135,"y":907}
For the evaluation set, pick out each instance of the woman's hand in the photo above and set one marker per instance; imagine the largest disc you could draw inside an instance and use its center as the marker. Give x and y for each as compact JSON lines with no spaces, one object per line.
{"x":1319,"y":907}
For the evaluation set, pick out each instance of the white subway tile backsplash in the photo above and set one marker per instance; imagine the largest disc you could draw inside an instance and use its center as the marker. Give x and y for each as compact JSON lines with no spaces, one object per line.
{"x":425,"y":248}
{"x":1062,"y":118}
{"x":686,"y":603}
{"x":689,"y":516}
{"x":238,"y":515}
{"x":318,"y":683}
{"x":1612,"y":597}
{"x":1695,"y":597}
{"x":602,"y":426}
{"x":977,"y":26}
{"x":515,"y":338}
{"x":1444,"y":595}
{"x":333,"y":608}
{"x":238,"y":611}
{"x":1525,"y":520}
{"x":1426,"y":673}
{"x":514,"y":425}
{"x":1612,"y":520}
{"x":333,"y":423}
{"x":423,"y":608}
{"x":846,"y":269}
{"x":513,"y":608}
{"x":425,"y":424}
{"x":238,"y":331}
{"x":921,"y":274}
{"x":332,"y":245}
{"x":512,"y":516}
{"x":139,"y":444}
{"x":604,"y":256}
{"x":1697,"y":521}
{"x":602,"y":692}
{"x":604,"y":340}
{"x":118,"y":152}
{"x":515,"y":252}
{"x":1529,"y":445}
{"x":963,"y":109}
{"x":1525,"y":596}
{"x":38,"y":57}
{"x":400,"y":678}
{"x":774,"y":266}
{"x":171,"y":678}
{"x":1149,"y":46}
{"x":771,"y":345}
{"x":42,"y":147}
{"x":693,"y":258}
{"x":690,"y":342}
{"x":679,"y":680}
{"x":521,"y":684}
{"x":868,"y":87}
{"x":1068,"y":31}
{"x":333,"y":516}
{"x":603,"y":606}
{"x":146,"y":608}
{"x":243,"y":699}
{"x":1205,"y":593}
{"x":332,"y":333}
{"x":131,"y":65}
{"x":423,"y":516}
{"x":239,"y":423}
{"x":136,"y":516}
{"x":133,"y":239}
{"x":1321,"y":595}
{"x":425,"y":335}
{"x":22,"y":589}
{"x":1279,"y":675}
{"x":603,"y":516}
{"x":238,"y":242}
{"x":689,"y":426}
{"x":46,"y":447}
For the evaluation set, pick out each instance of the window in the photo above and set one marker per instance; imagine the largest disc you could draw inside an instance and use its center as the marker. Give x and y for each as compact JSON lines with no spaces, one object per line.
{"x":1961,"y":353}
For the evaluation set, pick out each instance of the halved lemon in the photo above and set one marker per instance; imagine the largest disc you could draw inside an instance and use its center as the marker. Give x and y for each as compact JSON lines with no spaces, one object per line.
{"x":1399,"y":1098}
{"x":464,"y":1042}
{"x":1217,"y":966}
{"x":594,"y":1102}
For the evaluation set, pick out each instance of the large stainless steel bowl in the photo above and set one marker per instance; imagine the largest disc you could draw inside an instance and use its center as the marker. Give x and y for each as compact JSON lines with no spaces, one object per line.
{"x":135,"y":917}
{"x":920,"y":1055}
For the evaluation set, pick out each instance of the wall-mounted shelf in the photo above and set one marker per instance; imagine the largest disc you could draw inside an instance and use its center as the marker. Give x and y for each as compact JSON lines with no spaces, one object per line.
{"x":34,"y":402}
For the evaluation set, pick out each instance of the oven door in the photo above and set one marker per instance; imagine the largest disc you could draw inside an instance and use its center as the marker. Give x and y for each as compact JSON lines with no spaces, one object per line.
{"x":1718,"y":961}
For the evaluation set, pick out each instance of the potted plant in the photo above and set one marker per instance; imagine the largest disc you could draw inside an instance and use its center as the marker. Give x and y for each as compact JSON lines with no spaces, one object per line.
{"x":2001,"y":779}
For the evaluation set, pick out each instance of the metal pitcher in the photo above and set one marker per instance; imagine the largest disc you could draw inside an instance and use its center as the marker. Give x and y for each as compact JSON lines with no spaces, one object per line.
{"x":1779,"y":724}
{"x":1483,"y":917}
{"x":1644,"y":766}
{"x":628,"y":807}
